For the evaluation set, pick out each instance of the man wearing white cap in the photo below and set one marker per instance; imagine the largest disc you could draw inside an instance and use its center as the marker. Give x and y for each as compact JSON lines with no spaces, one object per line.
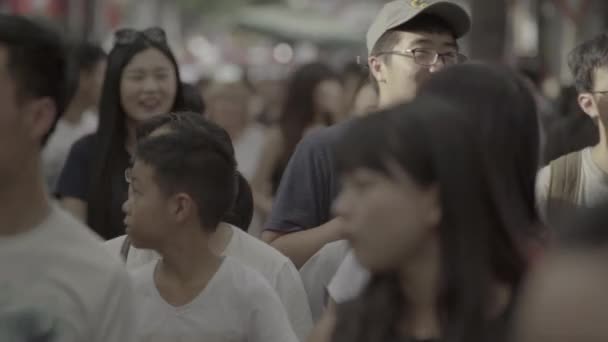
{"x":407,"y":42}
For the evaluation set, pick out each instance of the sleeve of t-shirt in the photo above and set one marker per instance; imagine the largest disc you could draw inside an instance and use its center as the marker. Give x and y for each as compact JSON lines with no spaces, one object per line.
{"x":543,"y":181}
{"x":268,"y":321}
{"x":303,"y":198}
{"x":73,"y":180}
{"x":350,"y":280}
{"x":292,"y":294}
{"x":116,"y":321}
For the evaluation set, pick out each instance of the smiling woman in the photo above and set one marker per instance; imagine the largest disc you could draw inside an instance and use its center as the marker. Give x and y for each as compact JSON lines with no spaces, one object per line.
{"x":141,"y":81}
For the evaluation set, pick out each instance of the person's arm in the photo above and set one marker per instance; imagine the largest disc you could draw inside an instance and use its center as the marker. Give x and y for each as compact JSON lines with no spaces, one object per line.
{"x":72,"y":186}
{"x":301,"y":223}
{"x":261,"y":184}
{"x":301,"y":246}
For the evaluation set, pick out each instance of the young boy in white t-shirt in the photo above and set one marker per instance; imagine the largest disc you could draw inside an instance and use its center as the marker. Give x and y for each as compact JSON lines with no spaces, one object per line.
{"x":228,"y":240}
{"x":180,"y":187}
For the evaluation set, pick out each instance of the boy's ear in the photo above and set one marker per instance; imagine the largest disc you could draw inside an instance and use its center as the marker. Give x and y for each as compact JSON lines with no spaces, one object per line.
{"x":181,"y":207}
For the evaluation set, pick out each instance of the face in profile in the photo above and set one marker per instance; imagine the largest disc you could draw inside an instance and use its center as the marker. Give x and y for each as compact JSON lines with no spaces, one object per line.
{"x":601,"y":99}
{"x":387,"y":219}
{"x":228,"y":106}
{"x":148,"y":85}
{"x":329,"y":98}
{"x":147,"y":210}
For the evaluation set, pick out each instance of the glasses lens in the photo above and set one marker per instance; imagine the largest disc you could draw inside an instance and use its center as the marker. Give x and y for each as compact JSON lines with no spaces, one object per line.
{"x":451,"y":58}
{"x":425,"y":57}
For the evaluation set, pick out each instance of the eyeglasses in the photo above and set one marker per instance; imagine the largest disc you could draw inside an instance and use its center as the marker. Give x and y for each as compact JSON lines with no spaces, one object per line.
{"x":427,"y":57}
{"x":129,"y":36}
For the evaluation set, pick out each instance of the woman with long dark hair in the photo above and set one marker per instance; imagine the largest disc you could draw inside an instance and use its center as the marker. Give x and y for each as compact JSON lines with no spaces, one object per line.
{"x":502,"y":109}
{"x":142,"y":80}
{"x":503,"y":115}
{"x":313,"y":99}
{"x":492,"y":109}
{"x":418,"y":210}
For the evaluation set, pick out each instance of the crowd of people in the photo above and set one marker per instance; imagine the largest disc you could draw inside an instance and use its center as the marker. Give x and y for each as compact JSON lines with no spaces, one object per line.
{"x":424,"y":200}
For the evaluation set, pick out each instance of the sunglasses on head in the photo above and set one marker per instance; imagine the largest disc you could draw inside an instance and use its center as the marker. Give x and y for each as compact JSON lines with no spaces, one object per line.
{"x":128,"y":36}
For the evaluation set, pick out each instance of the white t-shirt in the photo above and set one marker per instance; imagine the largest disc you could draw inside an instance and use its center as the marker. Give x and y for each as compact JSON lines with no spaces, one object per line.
{"x":593,"y":188}
{"x":350,"y":280}
{"x":58,"y":281}
{"x":57,"y":149}
{"x":317,"y":273}
{"x":248,"y":150}
{"x":276,"y":268}
{"x":237,"y":305}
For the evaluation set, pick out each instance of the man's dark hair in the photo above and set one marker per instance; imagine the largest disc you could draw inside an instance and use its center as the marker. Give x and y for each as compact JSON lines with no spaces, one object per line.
{"x":427,"y":23}
{"x":84,"y":57}
{"x":191,"y":160}
{"x":37,"y":61}
{"x":193,"y":99}
{"x":585,"y":59}
{"x":87,"y":55}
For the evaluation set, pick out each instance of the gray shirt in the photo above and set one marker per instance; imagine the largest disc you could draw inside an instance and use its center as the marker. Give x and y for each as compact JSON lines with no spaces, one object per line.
{"x":309,"y":184}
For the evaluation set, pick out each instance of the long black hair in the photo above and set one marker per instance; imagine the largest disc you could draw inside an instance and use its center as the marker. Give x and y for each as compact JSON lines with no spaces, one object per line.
{"x":502,"y":109}
{"x":430,"y":140}
{"x":299,"y":110}
{"x":109,"y":155}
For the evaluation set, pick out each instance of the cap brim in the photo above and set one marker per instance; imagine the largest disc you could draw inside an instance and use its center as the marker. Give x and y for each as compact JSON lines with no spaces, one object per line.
{"x":455,"y":15}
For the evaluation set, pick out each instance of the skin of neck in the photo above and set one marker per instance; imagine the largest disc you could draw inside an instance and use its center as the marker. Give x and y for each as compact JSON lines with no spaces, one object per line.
{"x":186,"y":255}
{"x":24,"y":198}
{"x":419,"y":281}
{"x":600,"y":151}
{"x":386,"y":100}
{"x":220,"y":239}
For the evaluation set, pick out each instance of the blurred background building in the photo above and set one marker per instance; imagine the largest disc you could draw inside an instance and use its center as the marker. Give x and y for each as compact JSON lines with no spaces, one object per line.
{"x":269,"y":35}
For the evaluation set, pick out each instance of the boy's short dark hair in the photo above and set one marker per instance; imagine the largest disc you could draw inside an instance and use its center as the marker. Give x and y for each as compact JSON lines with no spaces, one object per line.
{"x":190,"y":160}
{"x":585,"y":59}
{"x":427,"y":23}
{"x":37,"y":61}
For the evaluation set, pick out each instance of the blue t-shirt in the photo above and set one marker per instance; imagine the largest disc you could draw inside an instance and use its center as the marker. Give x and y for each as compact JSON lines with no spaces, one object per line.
{"x":309,"y":184}
{"x":75,"y":179}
